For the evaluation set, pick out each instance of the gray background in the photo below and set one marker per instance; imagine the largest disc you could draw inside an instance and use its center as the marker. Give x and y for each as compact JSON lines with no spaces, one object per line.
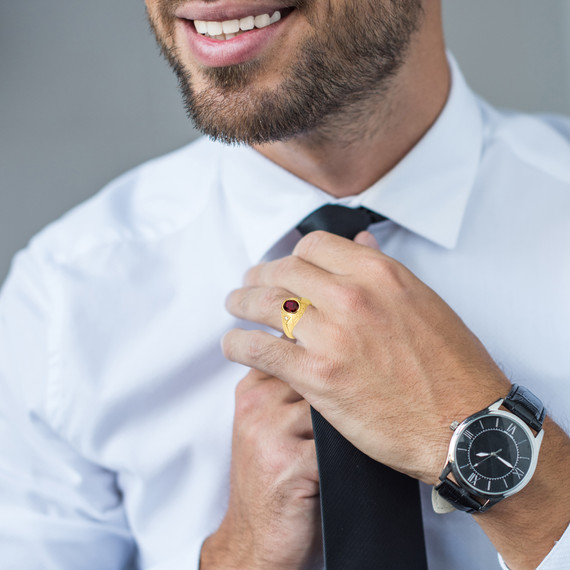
{"x":84,"y":94}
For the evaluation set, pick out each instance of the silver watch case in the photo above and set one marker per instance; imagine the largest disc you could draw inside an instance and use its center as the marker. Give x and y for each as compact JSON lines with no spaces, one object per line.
{"x":493,"y":410}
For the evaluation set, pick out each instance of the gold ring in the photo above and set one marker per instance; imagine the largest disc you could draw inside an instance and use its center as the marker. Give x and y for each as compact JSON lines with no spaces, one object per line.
{"x":291,"y":312}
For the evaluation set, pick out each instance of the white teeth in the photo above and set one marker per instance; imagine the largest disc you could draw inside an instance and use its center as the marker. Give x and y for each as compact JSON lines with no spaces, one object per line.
{"x":214,"y":28}
{"x":201,"y":26}
{"x":247,"y":23}
{"x":262,"y":21}
{"x":230,"y":28}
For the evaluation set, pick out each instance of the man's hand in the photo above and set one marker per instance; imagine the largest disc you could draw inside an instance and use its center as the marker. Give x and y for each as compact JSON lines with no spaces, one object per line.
{"x":379,"y":354}
{"x":273,"y":517}
{"x":390,"y":365}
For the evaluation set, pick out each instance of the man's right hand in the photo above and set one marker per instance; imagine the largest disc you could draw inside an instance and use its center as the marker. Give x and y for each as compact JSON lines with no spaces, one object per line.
{"x":273,"y":517}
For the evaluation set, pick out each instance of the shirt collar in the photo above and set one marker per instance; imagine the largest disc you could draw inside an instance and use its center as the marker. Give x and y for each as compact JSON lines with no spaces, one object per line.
{"x":426,"y":192}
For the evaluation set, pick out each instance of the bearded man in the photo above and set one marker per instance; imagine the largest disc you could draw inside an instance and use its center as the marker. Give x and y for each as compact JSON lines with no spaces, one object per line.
{"x":130,"y":439}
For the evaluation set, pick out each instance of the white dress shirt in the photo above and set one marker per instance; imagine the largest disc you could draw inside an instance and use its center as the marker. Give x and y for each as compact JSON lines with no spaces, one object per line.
{"x":116,"y":403}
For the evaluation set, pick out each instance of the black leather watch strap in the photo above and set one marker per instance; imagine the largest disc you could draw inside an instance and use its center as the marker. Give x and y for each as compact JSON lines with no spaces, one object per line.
{"x":524,"y":404}
{"x":461,"y":499}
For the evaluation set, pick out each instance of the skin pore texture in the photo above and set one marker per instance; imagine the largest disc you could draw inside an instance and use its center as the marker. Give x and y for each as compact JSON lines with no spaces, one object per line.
{"x":344,"y":92}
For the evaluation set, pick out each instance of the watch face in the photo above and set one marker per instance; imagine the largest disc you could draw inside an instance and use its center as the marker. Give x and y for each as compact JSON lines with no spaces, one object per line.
{"x":493,"y":454}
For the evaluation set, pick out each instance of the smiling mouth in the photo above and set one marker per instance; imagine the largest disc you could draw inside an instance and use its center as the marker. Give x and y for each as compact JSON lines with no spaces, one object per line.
{"x":229,"y":29}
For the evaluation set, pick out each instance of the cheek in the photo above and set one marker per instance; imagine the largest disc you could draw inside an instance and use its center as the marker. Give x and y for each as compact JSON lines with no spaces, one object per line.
{"x":152,"y":9}
{"x":159,"y":15}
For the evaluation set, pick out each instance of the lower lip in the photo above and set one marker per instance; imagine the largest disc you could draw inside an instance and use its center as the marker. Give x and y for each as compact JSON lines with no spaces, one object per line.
{"x":242,"y":48}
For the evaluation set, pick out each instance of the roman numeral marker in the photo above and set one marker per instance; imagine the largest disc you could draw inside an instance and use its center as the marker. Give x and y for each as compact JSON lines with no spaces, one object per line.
{"x":518,"y":473}
{"x":473,"y":479}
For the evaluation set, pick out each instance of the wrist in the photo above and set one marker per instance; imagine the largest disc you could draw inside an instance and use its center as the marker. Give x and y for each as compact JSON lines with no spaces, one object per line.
{"x":228,"y":550}
{"x":525,"y":527}
{"x":458,"y":410}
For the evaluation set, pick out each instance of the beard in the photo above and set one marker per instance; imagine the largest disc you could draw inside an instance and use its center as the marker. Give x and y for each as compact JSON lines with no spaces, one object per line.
{"x":355,"y":52}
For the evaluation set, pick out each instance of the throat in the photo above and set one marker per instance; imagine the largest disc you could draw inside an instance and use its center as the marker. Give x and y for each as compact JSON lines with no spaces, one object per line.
{"x":341,"y":159}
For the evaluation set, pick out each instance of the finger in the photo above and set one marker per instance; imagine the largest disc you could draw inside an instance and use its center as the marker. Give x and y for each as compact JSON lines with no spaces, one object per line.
{"x":333,"y":253}
{"x":367,"y":239}
{"x":263,"y":305}
{"x":302,"y":465}
{"x":298,"y":417}
{"x":308,"y":460}
{"x":296,"y":275}
{"x":265,"y":352}
{"x":253,"y":377}
{"x":277,"y":391}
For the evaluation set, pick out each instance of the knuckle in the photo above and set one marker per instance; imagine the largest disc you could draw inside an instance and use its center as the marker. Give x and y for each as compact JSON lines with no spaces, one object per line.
{"x":287,"y":265}
{"x":325,"y":370}
{"x":250,"y":432}
{"x":353,"y":298}
{"x":243,"y":301}
{"x":389,"y":272}
{"x":278,"y":460}
{"x":309,"y":458}
{"x":309,"y":243}
{"x":251,"y":275}
{"x":256,"y":349}
{"x":270,"y":299}
{"x":260,"y":352}
{"x":368,"y":264}
{"x":247,"y":400}
{"x":243,"y":386}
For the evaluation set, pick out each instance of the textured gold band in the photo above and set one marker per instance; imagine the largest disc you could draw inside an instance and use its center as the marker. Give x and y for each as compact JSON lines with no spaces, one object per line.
{"x":291,"y":312}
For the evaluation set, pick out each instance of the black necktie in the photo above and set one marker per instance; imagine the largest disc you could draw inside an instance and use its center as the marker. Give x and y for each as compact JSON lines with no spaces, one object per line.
{"x":371,"y":514}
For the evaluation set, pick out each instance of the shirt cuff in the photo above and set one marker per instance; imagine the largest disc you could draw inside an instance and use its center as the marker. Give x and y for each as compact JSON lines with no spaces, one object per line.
{"x":187,"y":560}
{"x":557,"y":559}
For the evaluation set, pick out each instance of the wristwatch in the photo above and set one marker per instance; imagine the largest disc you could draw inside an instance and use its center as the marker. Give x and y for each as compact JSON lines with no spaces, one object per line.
{"x":492,"y":455}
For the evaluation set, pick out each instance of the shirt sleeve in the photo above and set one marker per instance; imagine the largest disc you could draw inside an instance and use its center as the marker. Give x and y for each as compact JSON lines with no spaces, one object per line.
{"x":58,"y":511}
{"x":557,"y":559}
{"x":187,"y":560}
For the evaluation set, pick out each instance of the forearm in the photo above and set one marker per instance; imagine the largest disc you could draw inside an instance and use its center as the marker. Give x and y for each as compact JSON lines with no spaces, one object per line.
{"x":525,"y":527}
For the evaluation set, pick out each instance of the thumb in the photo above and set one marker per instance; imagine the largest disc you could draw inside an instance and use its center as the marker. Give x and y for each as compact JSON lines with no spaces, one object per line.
{"x":367,"y":239}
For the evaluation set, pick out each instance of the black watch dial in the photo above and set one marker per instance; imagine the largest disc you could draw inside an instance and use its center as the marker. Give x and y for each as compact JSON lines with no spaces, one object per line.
{"x":493,"y":454}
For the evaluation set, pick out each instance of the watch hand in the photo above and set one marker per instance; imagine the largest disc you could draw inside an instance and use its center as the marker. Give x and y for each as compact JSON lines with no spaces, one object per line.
{"x":504,"y":461}
{"x":484,"y":459}
{"x":487,"y":455}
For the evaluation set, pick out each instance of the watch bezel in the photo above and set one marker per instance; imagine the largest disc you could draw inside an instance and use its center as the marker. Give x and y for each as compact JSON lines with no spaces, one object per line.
{"x":493,"y":411}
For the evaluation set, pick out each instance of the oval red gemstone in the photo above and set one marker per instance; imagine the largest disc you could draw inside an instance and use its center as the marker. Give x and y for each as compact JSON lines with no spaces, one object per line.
{"x":291,"y":306}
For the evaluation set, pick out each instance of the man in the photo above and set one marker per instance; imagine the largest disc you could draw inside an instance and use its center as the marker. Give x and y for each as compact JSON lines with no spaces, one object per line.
{"x":117,"y":404}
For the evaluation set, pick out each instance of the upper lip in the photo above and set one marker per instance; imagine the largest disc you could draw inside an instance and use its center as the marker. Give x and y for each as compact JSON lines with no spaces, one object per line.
{"x":223,"y":11}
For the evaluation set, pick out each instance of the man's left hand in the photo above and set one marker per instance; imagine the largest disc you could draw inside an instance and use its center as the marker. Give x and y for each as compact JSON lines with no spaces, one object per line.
{"x":380,"y":355}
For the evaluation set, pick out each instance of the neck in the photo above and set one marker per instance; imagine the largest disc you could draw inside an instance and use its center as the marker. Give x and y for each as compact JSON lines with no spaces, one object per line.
{"x":355,"y":149}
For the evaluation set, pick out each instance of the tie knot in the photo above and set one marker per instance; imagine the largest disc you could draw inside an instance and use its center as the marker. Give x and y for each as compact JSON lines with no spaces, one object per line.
{"x":340,"y":220}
